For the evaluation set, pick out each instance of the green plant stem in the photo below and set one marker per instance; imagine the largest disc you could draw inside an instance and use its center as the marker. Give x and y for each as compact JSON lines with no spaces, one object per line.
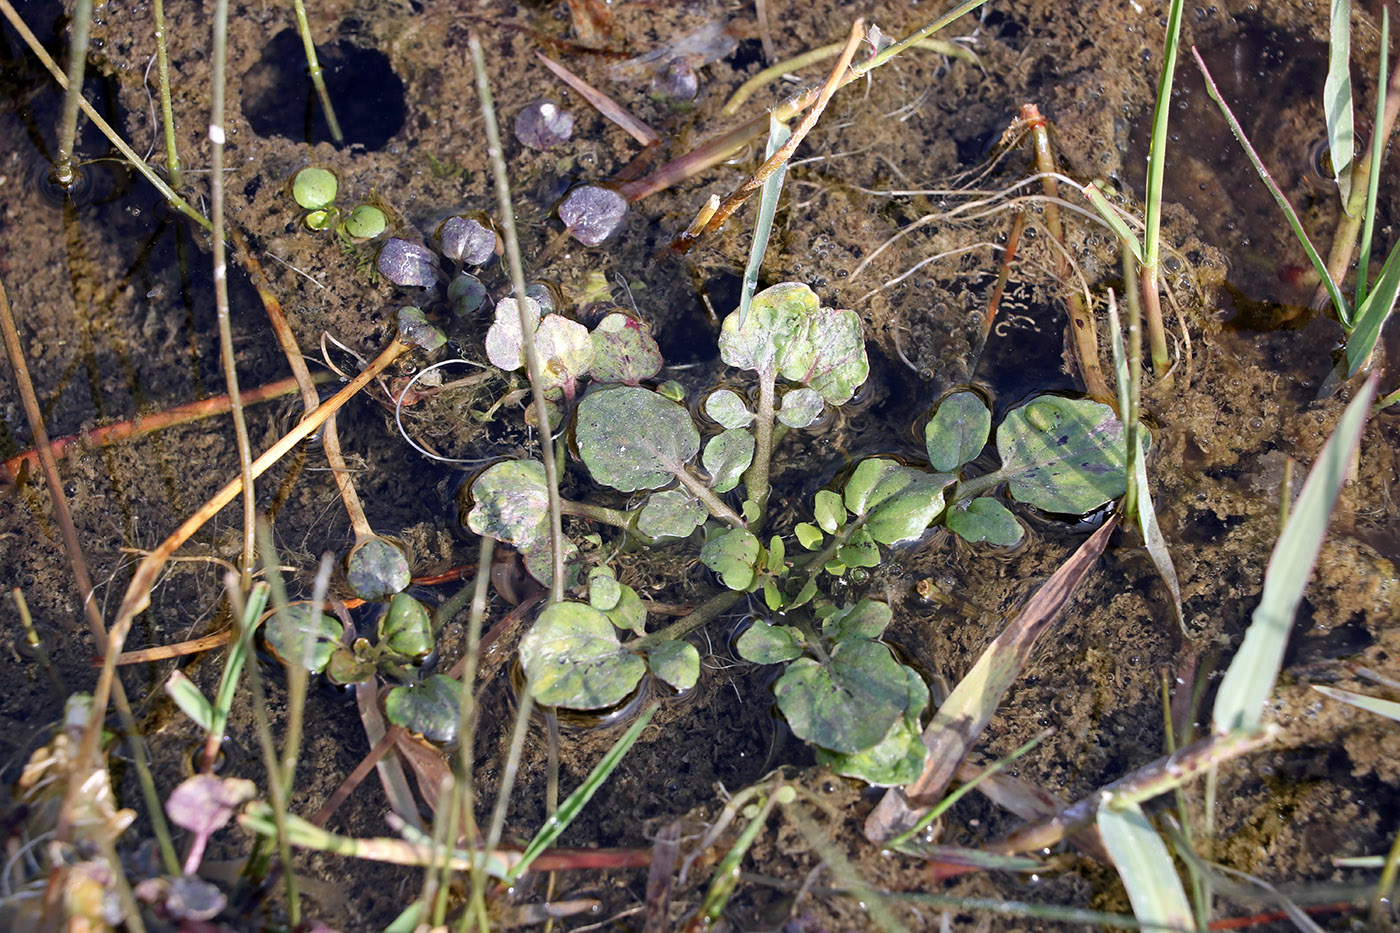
{"x":809,"y":634}
{"x":102,"y":125}
{"x":710,"y":498}
{"x":314,"y":66}
{"x":276,"y":789}
{"x":1156,"y":169}
{"x":1385,"y":401}
{"x":172,"y":155}
{"x":226,"y":354}
{"x":1373,"y":179}
{"x":706,"y":612}
{"x":77,"y":65}
{"x":1131,"y":411}
{"x":517,"y":279}
{"x":970,"y":488}
{"x":598,"y":513}
{"x":756,"y":476}
{"x":1380,"y":903}
{"x":726,"y":876}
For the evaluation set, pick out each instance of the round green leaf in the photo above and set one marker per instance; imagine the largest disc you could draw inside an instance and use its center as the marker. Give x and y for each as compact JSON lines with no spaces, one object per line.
{"x":866,"y":619}
{"x":365,"y":222}
{"x":407,"y":627}
{"x":623,"y":351}
{"x":676,"y":663}
{"x":565,"y":350}
{"x":727,"y":455}
{"x":512,"y":503}
{"x":727,"y":408}
{"x":631,"y":438}
{"x":573,"y":659}
{"x":897,"y":502}
{"x":808,"y":535}
{"x":829,"y":510}
{"x":671,"y":514}
{"x":801,"y":407}
{"x":958,"y":431}
{"x":899,"y":757}
{"x":504,"y":344}
{"x":786,"y":332}
{"x":376,"y":568}
{"x":1063,"y":455}
{"x":429,"y":707}
{"x":603,"y":589}
{"x":984,"y":520}
{"x":848,"y":704}
{"x":732,"y":554}
{"x":629,"y":613}
{"x":539,"y":560}
{"x":287,"y":633}
{"x":466,"y":293}
{"x":416,"y":331}
{"x":763,"y":643}
{"x":314,"y":188}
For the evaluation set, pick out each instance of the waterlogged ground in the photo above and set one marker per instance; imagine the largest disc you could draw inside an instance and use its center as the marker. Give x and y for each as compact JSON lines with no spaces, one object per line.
{"x":115,"y":310}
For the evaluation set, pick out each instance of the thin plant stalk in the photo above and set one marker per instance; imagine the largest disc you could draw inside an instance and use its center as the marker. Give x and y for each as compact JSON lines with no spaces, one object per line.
{"x":136,"y":162}
{"x":77,"y":65}
{"x":476,"y":909}
{"x":108,"y":685}
{"x":1156,"y":169}
{"x":314,"y":66}
{"x":1086,"y":339}
{"x":1373,"y":178}
{"x":172,"y":154}
{"x":1381,"y":901}
{"x":226,"y":355}
{"x":784,"y":152}
{"x":275,"y":786}
{"x":517,"y":279}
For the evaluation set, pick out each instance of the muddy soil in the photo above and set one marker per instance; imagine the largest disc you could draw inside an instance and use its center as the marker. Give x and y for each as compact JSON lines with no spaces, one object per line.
{"x":115,"y":306}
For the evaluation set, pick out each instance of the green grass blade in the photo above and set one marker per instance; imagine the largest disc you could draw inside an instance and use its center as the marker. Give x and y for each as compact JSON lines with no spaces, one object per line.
{"x":1333,"y":292}
{"x":1157,"y":155}
{"x":1250,"y":679}
{"x":1371,"y":315}
{"x":1387,"y":708}
{"x":1373,"y":181}
{"x":778,"y":134}
{"x":570,"y":808}
{"x":191,"y":701}
{"x":1142,"y":860}
{"x":1336,"y":98}
{"x":1116,"y":223}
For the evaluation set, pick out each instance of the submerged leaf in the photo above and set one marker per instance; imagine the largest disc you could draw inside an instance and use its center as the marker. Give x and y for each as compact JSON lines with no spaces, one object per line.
{"x":467,"y":240}
{"x":732,"y":554}
{"x":899,"y":757}
{"x":428,"y":708}
{"x":407,"y":627}
{"x":785,"y":332}
{"x":512,"y":503}
{"x":671,"y":514}
{"x":409,"y":264}
{"x":572,"y":658}
{"x":416,"y":331}
{"x":675,"y":663}
{"x":631,"y":438}
{"x":623,"y":351}
{"x":764,"y":643}
{"x":866,"y":619}
{"x":726,"y":407}
{"x":315,"y":188}
{"x":592,"y":213}
{"x":377,"y":567}
{"x":896,"y":501}
{"x":1063,"y":455}
{"x":727,"y":456}
{"x":565,"y":351}
{"x":504,"y":344}
{"x":287,"y":633}
{"x":800,"y":407}
{"x":543,"y":124}
{"x":467,"y":294}
{"x":958,"y":431}
{"x":984,"y":519}
{"x":848,"y":704}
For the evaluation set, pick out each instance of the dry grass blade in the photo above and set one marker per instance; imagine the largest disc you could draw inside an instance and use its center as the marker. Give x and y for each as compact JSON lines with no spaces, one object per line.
{"x":962,"y":717}
{"x":603,"y":103}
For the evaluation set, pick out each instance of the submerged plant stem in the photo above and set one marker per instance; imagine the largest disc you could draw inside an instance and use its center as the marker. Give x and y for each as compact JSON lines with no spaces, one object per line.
{"x":172,"y":154}
{"x":517,"y":280}
{"x":77,"y":65}
{"x":314,"y":66}
{"x":102,"y":125}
